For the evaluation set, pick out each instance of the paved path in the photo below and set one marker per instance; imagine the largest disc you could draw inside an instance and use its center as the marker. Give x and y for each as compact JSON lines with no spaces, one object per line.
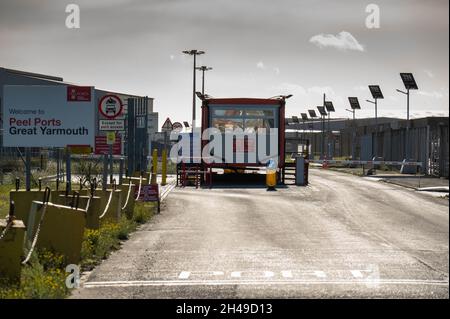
{"x":342,"y":236}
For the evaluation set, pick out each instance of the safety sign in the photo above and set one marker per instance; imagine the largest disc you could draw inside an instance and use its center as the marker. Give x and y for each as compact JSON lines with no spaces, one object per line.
{"x":110,"y":106}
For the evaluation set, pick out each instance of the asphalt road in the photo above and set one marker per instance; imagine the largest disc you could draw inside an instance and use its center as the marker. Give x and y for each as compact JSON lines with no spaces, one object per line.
{"x":341,"y":237}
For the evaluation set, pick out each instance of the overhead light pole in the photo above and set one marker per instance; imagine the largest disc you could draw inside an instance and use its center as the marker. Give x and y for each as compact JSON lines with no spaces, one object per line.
{"x":330,"y":108}
{"x":312,"y":115}
{"x":323,"y":114}
{"x":203,"y":68}
{"x":304,"y":119}
{"x":194,"y":53}
{"x":410,"y":84}
{"x":354,"y":104}
{"x":376,"y":94}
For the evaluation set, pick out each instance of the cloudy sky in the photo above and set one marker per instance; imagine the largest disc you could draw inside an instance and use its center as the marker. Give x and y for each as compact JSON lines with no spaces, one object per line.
{"x":258,"y":48}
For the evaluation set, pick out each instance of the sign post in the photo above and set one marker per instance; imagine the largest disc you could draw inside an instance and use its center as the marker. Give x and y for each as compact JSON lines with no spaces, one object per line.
{"x":28,"y":169}
{"x":68,"y":171}
{"x":110,"y":139}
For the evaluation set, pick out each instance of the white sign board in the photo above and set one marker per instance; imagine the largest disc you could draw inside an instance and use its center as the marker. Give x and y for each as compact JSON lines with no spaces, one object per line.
{"x":111,"y":125}
{"x":48,"y":116}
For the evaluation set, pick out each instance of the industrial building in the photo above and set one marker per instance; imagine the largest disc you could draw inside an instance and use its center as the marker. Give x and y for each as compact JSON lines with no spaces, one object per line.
{"x":362,"y":139}
{"x":143,"y":109}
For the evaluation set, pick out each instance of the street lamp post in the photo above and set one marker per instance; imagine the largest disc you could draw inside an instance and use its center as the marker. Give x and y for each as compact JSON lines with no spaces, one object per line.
{"x":323,"y":114}
{"x":376,"y":94}
{"x":354,"y":104}
{"x":329,"y":108}
{"x":313,"y":115}
{"x":203,"y":68}
{"x":194,"y":53}
{"x":410,"y":84}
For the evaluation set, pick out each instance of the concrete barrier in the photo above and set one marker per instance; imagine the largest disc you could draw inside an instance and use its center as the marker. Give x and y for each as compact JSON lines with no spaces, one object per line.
{"x":61,"y":230}
{"x":128,"y":199}
{"x":112,"y":213}
{"x":93,"y":211}
{"x":23,"y":200}
{"x":11,"y":249}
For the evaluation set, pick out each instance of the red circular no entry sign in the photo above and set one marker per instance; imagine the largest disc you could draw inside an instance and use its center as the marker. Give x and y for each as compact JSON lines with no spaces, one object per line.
{"x":110,"y":106}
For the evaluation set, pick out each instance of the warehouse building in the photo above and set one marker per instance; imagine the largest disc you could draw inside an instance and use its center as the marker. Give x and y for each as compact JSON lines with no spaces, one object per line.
{"x":143,"y":109}
{"x":361,"y":139}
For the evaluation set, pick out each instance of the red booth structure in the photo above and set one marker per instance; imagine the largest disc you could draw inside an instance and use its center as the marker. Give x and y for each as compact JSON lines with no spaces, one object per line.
{"x":242,"y":113}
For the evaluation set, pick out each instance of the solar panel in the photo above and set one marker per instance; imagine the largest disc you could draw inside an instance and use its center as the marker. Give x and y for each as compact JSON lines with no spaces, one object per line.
{"x":295,"y":119}
{"x":376,"y":92}
{"x":329,"y":106}
{"x":312,"y":113}
{"x":408,"y":81}
{"x":322,"y":110}
{"x":304,"y":116}
{"x":354,"y":103}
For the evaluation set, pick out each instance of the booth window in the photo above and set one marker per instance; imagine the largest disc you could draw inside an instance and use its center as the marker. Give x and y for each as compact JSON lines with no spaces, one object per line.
{"x":245,"y":118}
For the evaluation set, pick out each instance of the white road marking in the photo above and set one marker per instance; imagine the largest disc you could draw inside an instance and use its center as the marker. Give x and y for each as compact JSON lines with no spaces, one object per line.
{"x":184,"y":275}
{"x":218,"y":273}
{"x":268,"y":274}
{"x":320,"y":274}
{"x":356,"y":273}
{"x":236,"y":274}
{"x":102,"y":284}
{"x":287,"y":274}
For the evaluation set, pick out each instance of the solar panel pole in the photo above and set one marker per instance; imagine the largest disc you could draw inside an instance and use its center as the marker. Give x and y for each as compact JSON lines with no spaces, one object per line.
{"x":407,"y":123}
{"x":353,"y":133}
{"x":407,"y":126}
{"x":375,"y":146}
{"x":323,"y":128}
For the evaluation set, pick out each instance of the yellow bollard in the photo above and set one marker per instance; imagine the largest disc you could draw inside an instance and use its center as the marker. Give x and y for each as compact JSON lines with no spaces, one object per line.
{"x":271,"y":179}
{"x":271,"y":176}
{"x":164,"y":168}
{"x":154,"y":166}
{"x":12,"y":234}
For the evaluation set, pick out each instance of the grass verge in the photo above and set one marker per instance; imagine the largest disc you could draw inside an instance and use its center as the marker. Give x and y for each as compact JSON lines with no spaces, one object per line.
{"x":44,"y":277}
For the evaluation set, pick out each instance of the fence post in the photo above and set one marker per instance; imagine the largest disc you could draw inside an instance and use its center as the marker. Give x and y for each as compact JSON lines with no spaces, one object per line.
{"x":68,"y":170}
{"x":28,"y":169}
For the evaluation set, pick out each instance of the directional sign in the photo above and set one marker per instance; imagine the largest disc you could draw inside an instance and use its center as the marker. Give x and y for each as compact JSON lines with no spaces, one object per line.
{"x":167,"y":126}
{"x":111,"y":125}
{"x":110,"y":106}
